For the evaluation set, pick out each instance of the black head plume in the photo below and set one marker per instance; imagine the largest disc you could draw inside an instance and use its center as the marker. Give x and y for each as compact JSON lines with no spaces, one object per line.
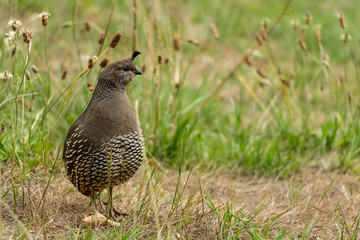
{"x":135,"y":53}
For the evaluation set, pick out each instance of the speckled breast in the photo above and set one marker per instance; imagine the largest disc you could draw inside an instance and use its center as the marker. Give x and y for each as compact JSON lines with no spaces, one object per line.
{"x":114,"y":162}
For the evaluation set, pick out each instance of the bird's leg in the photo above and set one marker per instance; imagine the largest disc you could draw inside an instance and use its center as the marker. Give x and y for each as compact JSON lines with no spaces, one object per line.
{"x":93,"y":199}
{"x":110,"y":210}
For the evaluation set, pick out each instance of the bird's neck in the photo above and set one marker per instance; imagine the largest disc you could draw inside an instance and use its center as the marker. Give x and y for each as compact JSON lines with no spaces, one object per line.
{"x":104,"y":91}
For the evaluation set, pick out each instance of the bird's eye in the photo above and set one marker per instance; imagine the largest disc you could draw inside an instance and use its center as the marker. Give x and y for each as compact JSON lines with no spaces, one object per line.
{"x":125,"y":69}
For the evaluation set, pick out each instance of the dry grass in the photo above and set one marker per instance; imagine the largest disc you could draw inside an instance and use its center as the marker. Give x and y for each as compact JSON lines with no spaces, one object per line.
{"x":312,"y":203}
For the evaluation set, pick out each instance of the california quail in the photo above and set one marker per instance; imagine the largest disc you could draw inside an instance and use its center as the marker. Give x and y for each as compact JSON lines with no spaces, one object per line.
{"x":104,"y":147}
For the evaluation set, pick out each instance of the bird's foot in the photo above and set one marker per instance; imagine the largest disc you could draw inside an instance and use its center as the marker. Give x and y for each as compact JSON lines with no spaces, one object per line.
{"x":113,"y":212}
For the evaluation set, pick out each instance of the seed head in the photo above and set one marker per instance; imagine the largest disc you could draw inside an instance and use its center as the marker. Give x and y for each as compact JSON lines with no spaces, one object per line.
{"x":303,"y":32}
{"x":261,"y":73}
{"x":87,"y":26}
{"x":265,"y":23}
{"x":104,"y":62}
{"x":101,"y":38}
{"x":44,"y":17}
{"x":308,"y":18}
{"x":91,"y":61}
{"x":326,"y":60}
{"x":317,"y":33}
{"x":14,"y":24}
{"x":27,"y":74}
{"x":263,"y":33}
{"x":34,"y":69}
{"x":9,"y":40}
{"x":115,"y":40}
{"x":64,"y":73}
{"x":160,"y":59}
{"x":5,"y":75}
{"x":342,"y":20}
{"x":90,"y":87}
{"x":259,"y":40}
{"x":341,"y":79}
{"x":143,"y":68}
{"x":176,"y":43}
{"x":346,"y":38}
{"x":26,"y":34}
{"x":248,"y":60}
{"x":285,"y":81}
{"x":215,"y":31}
{"x":302,"y":45}
{"x":295,"y":23}
{"x":194,"y":42}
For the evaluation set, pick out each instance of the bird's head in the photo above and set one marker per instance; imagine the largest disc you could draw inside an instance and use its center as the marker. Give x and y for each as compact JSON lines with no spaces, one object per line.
{"x":118,"y":74}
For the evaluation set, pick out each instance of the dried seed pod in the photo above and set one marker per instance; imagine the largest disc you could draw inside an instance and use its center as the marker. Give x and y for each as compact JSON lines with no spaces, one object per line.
{"x":308,"y":18}
{"x":261,"y":73}
{"x":14,"y":24}
{"x":64,"y":73}
{"x":160,"y":59}
{"x":346,"y":38}
{"x":67,"y":24}
{"x":27,"y":74}
{"x":259,"y":40}
{"x":265,"y":23}
{"x":104,"y":62}
{"x":342,"y":20}
{"x":90,"y":87}
{"x":248,"y":60}
{"x":176,"y":43}
{"x":26,"y":34}
{"x":294,"y":23}
{"x":44,"y":17}
{"x":194,"y":42}
{"x":291,"y":74}
{"x":285,"y":81}
{"x":143,"y":68}
{"x":263,"y":84}
{"x":34,"y":69}
{"x":303,"y":32}
{"x":90,"y":63}
{"x":13,"y":51}
{"x":115,"y":40}
{"x":263,"y":33}
{"x":215,"y":31}
{"x":87,"y":26}
{"x":101,"y":38}
{"x":325,"y":60}
{"x":341,"y":79}
{"x":317,"y":34}
{"x":302,"y":45}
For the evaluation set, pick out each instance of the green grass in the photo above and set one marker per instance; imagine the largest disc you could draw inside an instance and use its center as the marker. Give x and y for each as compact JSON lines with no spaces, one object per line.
{"x":251,"y":126}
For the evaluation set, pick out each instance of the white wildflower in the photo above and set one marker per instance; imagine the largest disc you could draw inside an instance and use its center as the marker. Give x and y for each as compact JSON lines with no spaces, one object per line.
{"x":44,"y":15}
{"x":5,"y":75}
{"x":9,"y":40}
{"x":92,"y":58}
{"x":26,"y":34}
{"x":14,"y":24}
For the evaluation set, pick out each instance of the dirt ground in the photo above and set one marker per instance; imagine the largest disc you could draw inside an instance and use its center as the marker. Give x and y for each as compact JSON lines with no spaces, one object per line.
{"x":322,"y":202}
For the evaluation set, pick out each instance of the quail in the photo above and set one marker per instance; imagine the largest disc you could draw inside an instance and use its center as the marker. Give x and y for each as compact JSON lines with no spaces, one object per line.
{"x":104,"y":146}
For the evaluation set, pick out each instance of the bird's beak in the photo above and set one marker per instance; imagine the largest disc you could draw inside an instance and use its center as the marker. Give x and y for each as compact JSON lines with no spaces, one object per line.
{"x":138,"y":72}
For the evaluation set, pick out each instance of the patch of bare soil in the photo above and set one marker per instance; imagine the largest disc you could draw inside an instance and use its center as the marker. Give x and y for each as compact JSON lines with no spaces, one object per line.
{"x":319,"y":204}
